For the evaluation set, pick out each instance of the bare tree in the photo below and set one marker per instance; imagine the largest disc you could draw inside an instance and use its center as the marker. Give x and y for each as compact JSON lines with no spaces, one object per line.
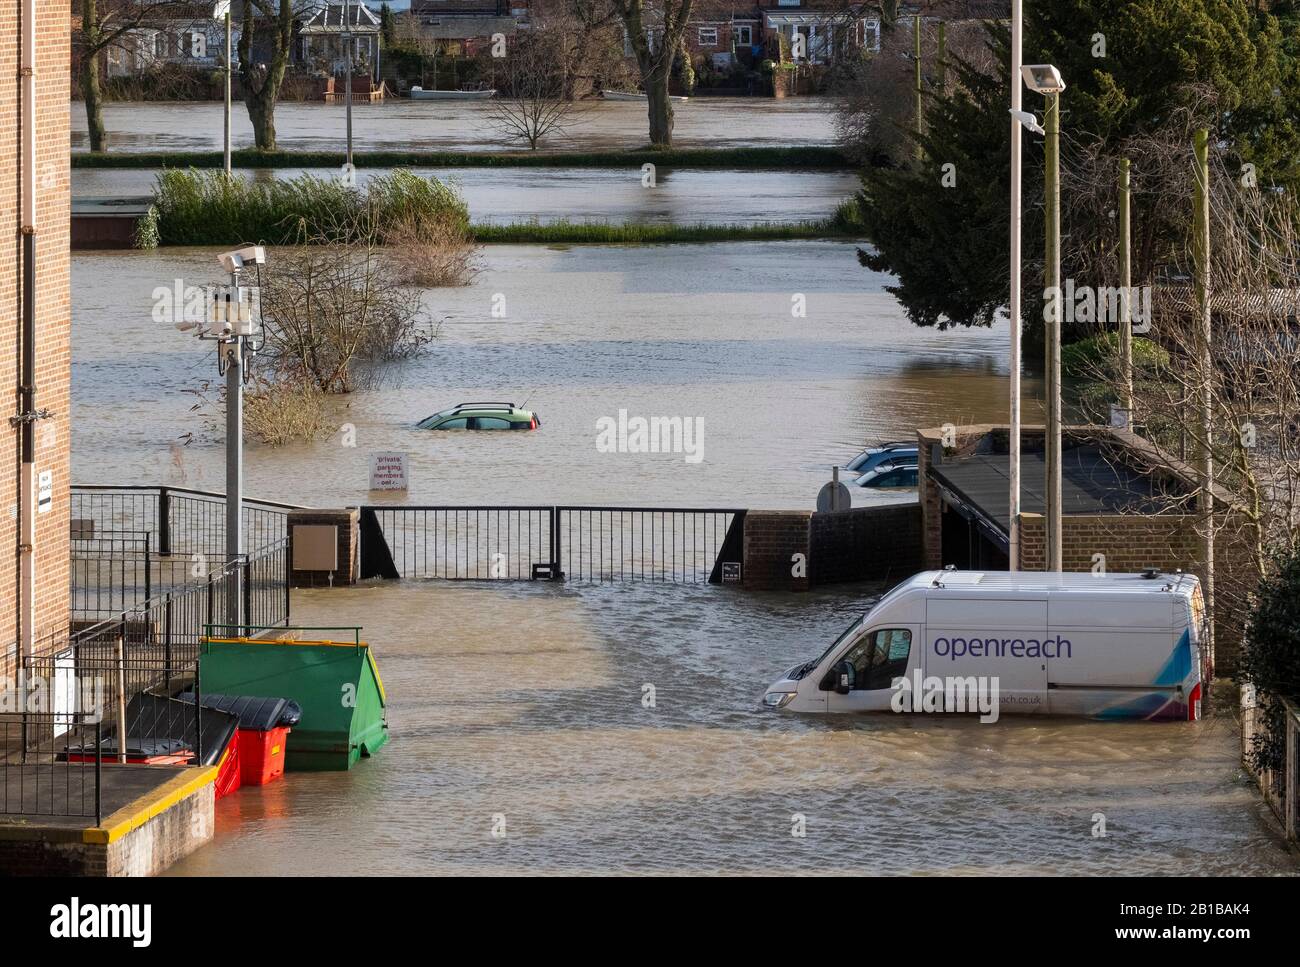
{"x":654,"y":30}
{"x":108,"y":24}
{"x":530,"y":103}
{"x":335,"y":299}
{"x":1254,"y":359}
{"x":261,"y":80}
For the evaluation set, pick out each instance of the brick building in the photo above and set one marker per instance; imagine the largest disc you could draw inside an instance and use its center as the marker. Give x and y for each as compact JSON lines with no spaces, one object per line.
{"x":53,"y":338}
{"x":1126,"y":506}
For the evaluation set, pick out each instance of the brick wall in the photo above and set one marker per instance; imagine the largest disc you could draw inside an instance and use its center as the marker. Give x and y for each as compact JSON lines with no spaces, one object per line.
{"x":866,"y":544}
{"x":772,"y":538}
{"x":347,"y":522}
{"x":1171,"y":542}
{"x":52,"y":313}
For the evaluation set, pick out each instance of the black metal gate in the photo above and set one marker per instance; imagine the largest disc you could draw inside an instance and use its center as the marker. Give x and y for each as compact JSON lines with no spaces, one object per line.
{"x":589,"y":544}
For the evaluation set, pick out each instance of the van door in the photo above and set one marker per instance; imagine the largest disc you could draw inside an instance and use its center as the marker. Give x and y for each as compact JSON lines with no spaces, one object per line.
{"x":872,"y":663}
{"x":972,"y":641}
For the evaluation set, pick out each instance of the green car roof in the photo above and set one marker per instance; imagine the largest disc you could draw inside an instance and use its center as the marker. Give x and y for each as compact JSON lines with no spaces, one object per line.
{"x":501,"y":411}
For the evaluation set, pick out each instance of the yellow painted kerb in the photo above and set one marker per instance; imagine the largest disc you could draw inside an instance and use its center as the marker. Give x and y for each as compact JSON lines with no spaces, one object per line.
{"x":135,"y":815}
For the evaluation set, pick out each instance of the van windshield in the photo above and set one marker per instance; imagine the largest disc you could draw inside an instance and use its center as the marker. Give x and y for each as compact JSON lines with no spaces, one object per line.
{"x":848,"y":632}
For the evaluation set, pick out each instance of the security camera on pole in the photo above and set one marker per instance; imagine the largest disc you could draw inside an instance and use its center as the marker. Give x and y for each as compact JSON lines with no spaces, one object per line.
{"x":234,"y":323}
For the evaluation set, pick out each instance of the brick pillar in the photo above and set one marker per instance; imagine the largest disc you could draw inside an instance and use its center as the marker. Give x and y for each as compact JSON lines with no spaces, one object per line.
{"x":772,"y":539}
{"x":305,"y":537}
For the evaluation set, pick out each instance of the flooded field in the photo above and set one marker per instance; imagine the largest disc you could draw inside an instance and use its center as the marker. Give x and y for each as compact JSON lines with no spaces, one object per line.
{"x":684,"y":197}
{"x":525,"y":702}
{"x":702,"y":331}
{"x":406,"y":125}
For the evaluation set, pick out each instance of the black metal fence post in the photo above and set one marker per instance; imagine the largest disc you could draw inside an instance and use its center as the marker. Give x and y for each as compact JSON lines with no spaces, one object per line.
{"x":164,"y":521}
{"x":247,"y":587}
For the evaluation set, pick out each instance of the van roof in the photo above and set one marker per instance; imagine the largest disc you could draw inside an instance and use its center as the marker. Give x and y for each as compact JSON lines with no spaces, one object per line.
{"x":1003,"y":581}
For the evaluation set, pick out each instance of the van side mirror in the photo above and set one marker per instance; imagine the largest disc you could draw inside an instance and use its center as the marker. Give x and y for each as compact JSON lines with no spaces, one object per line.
{"x":840,"y":678}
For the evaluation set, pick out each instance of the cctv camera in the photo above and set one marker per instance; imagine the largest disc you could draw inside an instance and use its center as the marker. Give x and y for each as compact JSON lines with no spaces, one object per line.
{"x":1043,"y":78}
{"x":248,"y":255}
{"x":1028,"y":120}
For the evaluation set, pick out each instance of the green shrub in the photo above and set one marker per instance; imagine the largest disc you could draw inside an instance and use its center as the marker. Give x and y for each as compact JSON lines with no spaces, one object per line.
{"x":209,"y":208}
{"x":1097,"y":357}
{"x":1270,"y":658}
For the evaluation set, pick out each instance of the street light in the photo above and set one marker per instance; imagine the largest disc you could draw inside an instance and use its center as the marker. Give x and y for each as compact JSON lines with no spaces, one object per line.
{"x":347,"y":84}
{"x":222,"y":12}
{"x":1046,"y":80}
{"x":234,"y":323}
{"x":1013,"y":362}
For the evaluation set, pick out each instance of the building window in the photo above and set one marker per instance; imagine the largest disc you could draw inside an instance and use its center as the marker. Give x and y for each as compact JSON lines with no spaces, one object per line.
{"x":789,"y":3}
{"x":871,"y":34}
{"x":744,"y":35}
{"x":708,"y":36}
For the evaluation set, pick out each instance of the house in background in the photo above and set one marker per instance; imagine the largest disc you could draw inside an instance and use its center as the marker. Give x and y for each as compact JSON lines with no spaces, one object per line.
{"x":187,"y":36}
{"x":320,"y":43}
{"x":465,"y":27}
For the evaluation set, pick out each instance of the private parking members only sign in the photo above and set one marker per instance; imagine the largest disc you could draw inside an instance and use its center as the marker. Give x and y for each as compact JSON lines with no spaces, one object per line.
{"x":388,"y":471}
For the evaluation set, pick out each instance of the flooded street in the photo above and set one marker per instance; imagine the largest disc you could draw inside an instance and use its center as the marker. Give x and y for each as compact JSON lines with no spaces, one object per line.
{"x":531,"y":709}
{"x":505,"y":195}
{"x":406,"y":125}
{"x":522,"y":702}
{"x":703,"y":331}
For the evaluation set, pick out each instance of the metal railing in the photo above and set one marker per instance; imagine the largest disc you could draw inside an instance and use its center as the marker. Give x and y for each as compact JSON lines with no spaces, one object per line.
{"x":1281,"y":787}
{"x":590,"y":544}
{"x":49,"y":766}
{"x":178,"y":520}
{"x":604,"y":544}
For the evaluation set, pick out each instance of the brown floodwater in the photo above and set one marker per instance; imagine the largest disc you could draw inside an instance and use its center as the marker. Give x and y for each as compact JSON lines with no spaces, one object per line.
{"x":699,"y":331}
{"x":406,"y":125}
{"x":522,"y":704}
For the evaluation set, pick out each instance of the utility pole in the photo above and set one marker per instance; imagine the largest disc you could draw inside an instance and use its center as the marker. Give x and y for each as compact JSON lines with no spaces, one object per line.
{"x":1125,"y":294}
{"x":347,"y":83}
{"x":226,"y":5}
{"x":943,"y":57}
{"x":234,"y":361}
{"x":1205,"y":365}
{"x":1052,"y":284}
{"x":916,"y":60}
{"x":1013,"y":362}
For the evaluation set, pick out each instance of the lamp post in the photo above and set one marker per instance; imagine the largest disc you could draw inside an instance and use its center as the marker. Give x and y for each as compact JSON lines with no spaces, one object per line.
{"x":347,"y":82}
{"x":222,"y":12}
{"x":234,"y":323}
{"x":1046,"y":80}
{"x":1013,"y":443}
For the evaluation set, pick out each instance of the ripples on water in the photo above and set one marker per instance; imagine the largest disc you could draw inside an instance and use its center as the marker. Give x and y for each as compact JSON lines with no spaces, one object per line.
{"x":532,"y":708}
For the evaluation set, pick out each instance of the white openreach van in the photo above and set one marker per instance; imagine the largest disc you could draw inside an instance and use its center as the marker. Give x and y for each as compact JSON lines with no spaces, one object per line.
{"x":1110,"y":646}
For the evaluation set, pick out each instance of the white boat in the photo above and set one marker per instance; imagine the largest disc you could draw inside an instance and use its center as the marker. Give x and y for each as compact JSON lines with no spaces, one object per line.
{"x":635,"y":96}
{"x":420,"y":94}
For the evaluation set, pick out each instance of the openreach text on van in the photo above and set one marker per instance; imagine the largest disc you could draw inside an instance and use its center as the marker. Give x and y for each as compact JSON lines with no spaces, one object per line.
{"x":954,"y":648}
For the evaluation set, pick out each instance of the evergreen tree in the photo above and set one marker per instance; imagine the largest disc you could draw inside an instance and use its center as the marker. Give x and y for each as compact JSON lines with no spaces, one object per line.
{"x":1129,"y":67}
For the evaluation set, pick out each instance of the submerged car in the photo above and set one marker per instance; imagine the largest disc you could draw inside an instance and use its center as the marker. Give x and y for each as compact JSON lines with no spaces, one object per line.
{"x":888,"y":475}
{"x":481,"y":416}
{"x":873,"y":457}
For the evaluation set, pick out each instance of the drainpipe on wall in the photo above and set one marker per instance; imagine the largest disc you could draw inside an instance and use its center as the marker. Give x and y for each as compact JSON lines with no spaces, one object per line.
{"x":25,"y":421}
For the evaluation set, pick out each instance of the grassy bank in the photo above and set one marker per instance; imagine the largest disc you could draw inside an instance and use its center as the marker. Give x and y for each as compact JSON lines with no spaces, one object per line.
{"x":810,"y":156}
{"x":206,"y":208}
